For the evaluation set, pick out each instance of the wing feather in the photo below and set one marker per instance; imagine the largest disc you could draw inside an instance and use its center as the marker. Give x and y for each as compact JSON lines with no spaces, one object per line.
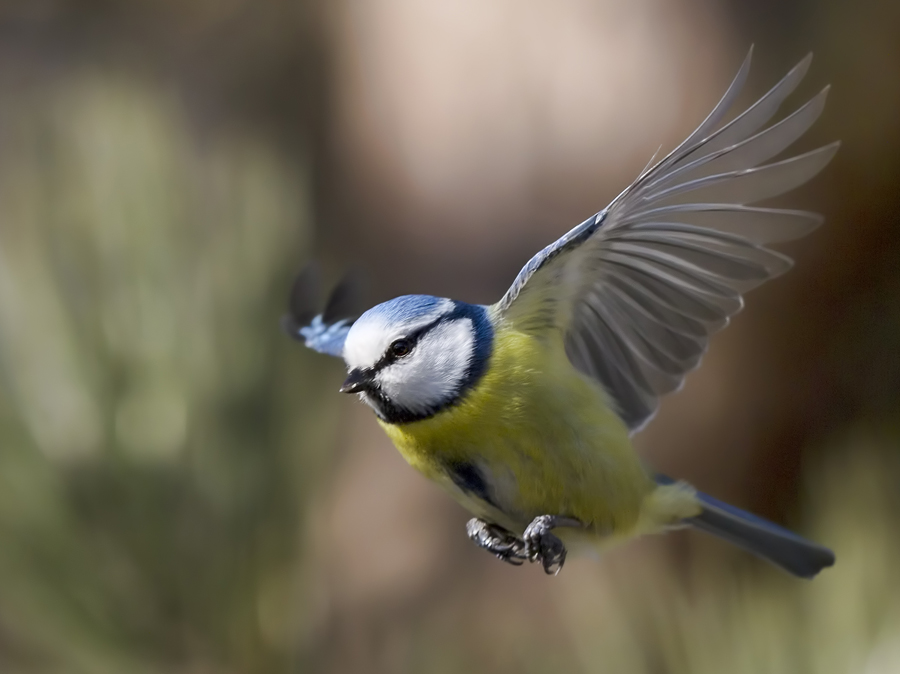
{"x":327,"y":338}
{"x":752,"y":119}
{"x":756,"y":224}
{"x":712,"y":120}
{"x":749,"y":185}
{"x":638,"y":289}
{"x":752,"y":151}
{"x":327,"y":331}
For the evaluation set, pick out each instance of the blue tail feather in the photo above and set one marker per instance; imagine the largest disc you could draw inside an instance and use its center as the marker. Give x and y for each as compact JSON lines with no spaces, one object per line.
{"x":765,"y":539}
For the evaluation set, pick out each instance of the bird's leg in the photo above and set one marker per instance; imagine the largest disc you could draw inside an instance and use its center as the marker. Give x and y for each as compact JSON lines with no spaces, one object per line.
{"x":494,"y":538}
{"x":541,"y":545}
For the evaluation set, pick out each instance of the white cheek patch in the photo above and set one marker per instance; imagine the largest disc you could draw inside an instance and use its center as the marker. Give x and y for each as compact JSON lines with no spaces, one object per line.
{"x":434,"y":372}
{"x":370,"y":336}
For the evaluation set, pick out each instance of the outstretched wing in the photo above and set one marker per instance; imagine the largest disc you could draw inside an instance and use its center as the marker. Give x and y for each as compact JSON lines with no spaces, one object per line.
{"x":639,"y":288}
{"x":325,"y":332}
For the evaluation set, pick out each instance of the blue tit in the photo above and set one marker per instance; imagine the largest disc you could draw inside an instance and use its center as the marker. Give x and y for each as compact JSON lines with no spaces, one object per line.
{"x":524,"y":410}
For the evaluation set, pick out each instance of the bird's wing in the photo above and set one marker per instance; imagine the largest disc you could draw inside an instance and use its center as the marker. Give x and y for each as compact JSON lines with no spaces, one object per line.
{"x":638,"y":289}
{"x":325,"y":332}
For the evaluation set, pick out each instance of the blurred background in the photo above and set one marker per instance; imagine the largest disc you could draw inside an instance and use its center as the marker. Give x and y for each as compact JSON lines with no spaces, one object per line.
{"x":181,"y":487}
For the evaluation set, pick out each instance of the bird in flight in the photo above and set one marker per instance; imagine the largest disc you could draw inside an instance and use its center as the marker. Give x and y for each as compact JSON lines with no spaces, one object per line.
{"x":524,"y":410}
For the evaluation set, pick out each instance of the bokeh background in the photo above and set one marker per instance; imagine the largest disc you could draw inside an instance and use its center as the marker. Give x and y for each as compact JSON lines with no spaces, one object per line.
{"x":181,"y":487}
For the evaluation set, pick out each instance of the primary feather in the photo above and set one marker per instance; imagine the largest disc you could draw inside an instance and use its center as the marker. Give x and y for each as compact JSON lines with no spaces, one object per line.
{"x":327,"y":331}
{"x":638,"y":289}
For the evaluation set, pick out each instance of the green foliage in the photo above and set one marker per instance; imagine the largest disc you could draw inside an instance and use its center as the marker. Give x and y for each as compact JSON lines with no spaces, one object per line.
{"x":156,"y":453}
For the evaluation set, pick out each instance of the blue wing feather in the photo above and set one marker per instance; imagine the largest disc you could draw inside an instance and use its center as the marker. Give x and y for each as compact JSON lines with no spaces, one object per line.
{"x":325,"y":332}
{"x":571,"y":239}
{"x":324,"y":337}
{"x":542,"y":314}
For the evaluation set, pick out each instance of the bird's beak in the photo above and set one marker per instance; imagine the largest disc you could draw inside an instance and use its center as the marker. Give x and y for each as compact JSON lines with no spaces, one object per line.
{"x":356,"y":381}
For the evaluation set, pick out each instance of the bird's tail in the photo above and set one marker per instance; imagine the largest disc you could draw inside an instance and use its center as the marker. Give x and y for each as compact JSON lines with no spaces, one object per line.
{"x":773,"y":543}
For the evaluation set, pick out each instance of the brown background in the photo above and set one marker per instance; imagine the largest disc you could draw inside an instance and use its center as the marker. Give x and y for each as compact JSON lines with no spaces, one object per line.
{"x":181,"y":487}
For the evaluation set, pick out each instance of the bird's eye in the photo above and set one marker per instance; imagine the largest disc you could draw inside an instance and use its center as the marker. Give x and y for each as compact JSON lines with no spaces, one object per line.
{"x":400,"y":347}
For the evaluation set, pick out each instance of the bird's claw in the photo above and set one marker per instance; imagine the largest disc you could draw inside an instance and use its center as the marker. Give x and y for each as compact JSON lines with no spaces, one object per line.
{"x":541,"y":545}
{"x":538,"y":544}
{"x":495,"y":539}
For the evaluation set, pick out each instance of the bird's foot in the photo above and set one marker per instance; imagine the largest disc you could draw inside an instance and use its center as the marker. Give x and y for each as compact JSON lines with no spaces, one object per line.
{"x":541,"y":545}
{"x":497,"y":540}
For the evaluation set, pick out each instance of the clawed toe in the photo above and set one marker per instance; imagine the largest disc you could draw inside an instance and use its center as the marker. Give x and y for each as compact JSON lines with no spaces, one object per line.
{"x":495,"y":539}
{"x":538,"y":544}
{"x":542,"y":545}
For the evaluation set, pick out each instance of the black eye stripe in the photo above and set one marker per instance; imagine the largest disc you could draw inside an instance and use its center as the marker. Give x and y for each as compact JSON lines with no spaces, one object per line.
{"x":412,"y":338}
{"x":483,"y":335}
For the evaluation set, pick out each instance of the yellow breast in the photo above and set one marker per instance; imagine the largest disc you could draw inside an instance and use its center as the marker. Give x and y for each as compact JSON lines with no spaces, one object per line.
{"x":543,"y":435}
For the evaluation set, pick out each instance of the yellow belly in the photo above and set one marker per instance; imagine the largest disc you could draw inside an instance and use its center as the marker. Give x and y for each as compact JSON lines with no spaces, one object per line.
{"x":545,"y":438}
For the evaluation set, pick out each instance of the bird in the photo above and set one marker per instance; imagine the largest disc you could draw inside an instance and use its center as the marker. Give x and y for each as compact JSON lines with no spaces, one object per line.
{"x":525,"y":410}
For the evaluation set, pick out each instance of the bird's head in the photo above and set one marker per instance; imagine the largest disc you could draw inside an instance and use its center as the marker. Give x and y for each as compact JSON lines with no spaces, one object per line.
{"x":413,"y":356}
